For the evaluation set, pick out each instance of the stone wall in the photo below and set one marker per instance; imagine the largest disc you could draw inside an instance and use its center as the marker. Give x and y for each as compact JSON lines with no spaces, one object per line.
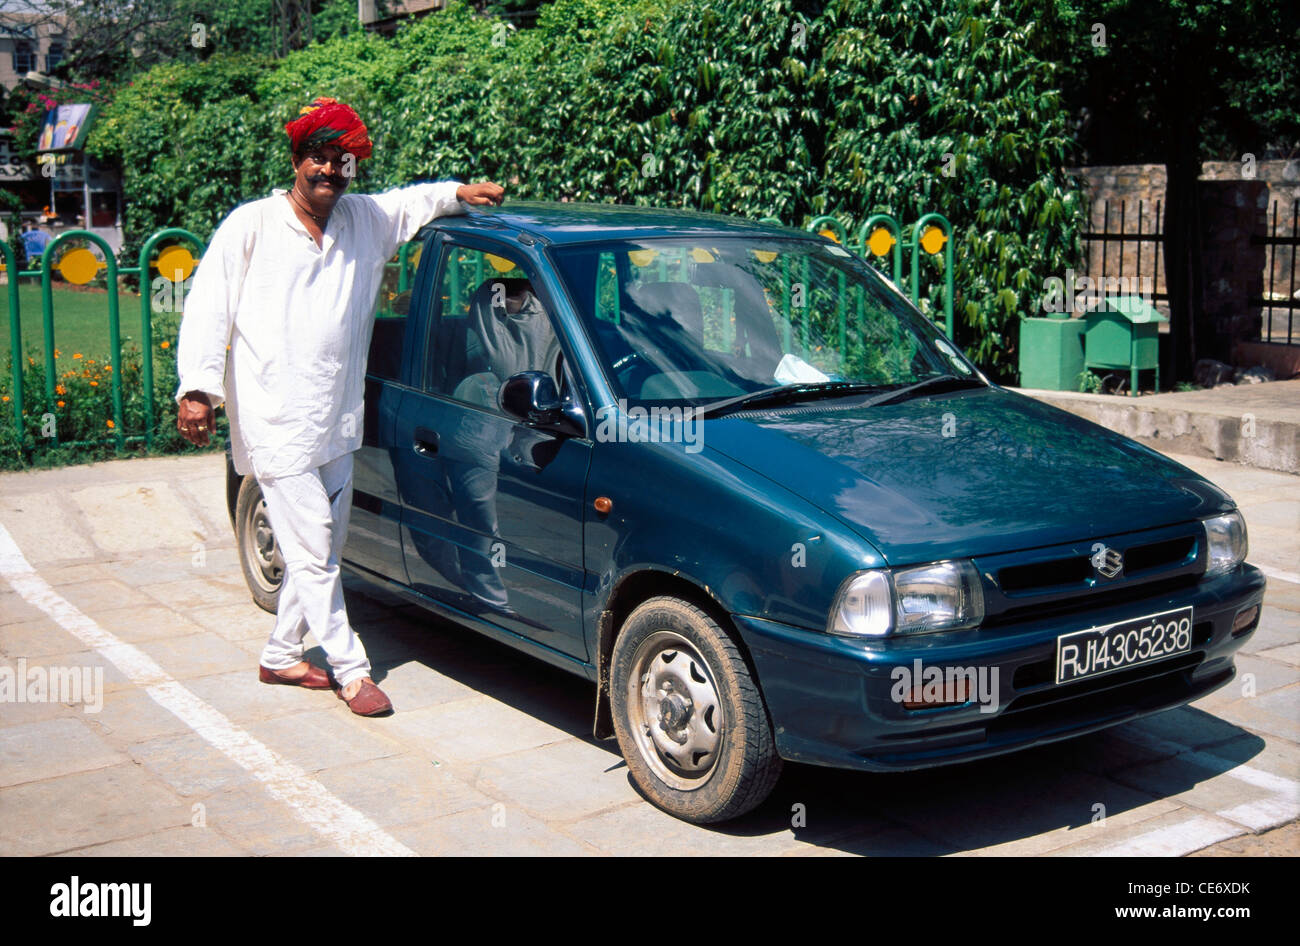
{"x":1231,"y":210}
{"x":1281,"y":216}
{"x":1130,"y":199}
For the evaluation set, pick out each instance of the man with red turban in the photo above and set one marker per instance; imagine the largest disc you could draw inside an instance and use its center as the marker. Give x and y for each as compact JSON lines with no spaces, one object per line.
{"x":277,"y":326}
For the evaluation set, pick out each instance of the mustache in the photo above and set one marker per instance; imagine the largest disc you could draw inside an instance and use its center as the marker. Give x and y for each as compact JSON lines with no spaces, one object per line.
{"x":338,"y":180}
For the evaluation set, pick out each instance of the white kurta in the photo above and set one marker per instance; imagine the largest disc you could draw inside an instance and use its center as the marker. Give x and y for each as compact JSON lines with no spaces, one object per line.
{"x":297,"y":319}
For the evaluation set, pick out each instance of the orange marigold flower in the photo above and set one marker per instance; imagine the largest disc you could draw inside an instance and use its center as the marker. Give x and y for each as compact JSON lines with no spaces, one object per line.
{"x":164,"y":344}
{"x":76,"y":354}
{"x":94,"y":384}
{"x":6,"y":398}
{"x":111,"y":425}
{"x":60,"y":389}
{"x":60,"y":403}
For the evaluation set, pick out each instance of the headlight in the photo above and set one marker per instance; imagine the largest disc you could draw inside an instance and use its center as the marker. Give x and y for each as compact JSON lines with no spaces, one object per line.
{"x":1225,"y":543}
{"x":943,"y":596}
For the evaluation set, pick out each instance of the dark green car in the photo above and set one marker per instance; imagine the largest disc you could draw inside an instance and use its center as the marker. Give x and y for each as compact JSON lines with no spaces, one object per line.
{"x":728,"y":473}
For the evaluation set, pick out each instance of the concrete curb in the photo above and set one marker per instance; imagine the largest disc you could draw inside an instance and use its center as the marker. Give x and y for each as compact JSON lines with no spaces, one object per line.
{"x":1258,"y":426}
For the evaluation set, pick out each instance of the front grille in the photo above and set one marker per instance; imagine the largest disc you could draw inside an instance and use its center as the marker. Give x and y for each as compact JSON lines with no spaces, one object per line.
{"x":1167,"y":554}
{"x":1062,"y":571}
{"x":1101,"y":597}
{"x":1061,"y":580}
{"x":1077,"y":570}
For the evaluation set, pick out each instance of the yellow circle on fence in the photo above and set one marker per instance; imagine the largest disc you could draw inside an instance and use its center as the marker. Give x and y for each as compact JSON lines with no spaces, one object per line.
{"x":933,"y":239}
{"x":764,"y":256}
{"x":499,"y":263}
{"x":79,"y":266}
{"x":829,"y":234}
{"x":881,"y":241}
{"x":176,"y":260}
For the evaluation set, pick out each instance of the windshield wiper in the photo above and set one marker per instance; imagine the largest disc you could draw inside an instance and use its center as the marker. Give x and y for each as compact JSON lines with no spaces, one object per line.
{"x":901,"y":394}
{"x":785,"y":394}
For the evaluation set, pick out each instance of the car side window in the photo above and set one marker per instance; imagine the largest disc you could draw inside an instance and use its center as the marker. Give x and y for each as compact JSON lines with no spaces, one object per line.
{"x":490,"y":324}
{"x":389,"y":334}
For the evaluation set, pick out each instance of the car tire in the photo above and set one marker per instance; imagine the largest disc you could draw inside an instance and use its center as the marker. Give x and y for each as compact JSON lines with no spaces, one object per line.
{"x":259,"y":553}
{"x":688,"y":714}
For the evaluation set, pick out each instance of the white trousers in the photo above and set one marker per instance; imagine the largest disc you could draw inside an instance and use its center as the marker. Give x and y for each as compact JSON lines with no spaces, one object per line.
{"x":309,"y":513}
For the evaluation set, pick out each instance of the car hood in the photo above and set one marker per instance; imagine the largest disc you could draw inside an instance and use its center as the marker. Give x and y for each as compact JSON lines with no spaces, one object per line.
{"x":970,"y":473}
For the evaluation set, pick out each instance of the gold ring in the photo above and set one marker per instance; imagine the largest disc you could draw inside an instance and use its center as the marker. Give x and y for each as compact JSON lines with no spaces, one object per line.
{"x":201,"y":427}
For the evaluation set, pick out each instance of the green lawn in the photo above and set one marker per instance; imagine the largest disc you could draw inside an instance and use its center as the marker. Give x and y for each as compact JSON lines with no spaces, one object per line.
{"x":80,"y":320}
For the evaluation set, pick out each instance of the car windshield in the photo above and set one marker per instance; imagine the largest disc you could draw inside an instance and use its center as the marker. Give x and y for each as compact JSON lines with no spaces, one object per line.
{"x":701,"y":321}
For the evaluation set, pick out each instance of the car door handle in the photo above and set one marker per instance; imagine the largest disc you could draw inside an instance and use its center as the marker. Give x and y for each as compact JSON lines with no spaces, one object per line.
{"x":426,"y":442}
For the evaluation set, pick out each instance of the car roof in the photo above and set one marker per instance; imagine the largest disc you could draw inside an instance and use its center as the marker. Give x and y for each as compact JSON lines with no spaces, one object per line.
{"x":564,"y":222}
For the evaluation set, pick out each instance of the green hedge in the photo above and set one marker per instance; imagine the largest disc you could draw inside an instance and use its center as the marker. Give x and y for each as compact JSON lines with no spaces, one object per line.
{"x":746,"y":107}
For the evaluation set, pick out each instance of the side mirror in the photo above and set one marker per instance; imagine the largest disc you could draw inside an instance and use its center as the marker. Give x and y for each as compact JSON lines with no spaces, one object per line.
{"x":531,"y":397}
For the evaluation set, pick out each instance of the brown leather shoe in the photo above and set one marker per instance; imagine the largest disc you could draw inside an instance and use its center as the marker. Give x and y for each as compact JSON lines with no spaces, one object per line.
{"x":314,"y":679}
{"x":369,"y":701}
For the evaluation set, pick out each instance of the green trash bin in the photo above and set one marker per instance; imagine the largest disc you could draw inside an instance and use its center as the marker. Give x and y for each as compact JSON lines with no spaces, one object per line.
{"x":1051,"y":353}
{"x":1123,"y":332}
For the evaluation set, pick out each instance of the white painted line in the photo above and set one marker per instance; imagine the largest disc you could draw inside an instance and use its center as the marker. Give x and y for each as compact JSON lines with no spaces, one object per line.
{"x":1278,"y":574}
{"x":1174,"y":840}
{"x":1263,"y":814}
{"x":307,"y":799}
{"x":1289,"y":789}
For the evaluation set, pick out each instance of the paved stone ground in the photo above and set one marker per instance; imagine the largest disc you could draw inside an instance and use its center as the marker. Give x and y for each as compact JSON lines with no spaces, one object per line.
{"x":489,"y":752}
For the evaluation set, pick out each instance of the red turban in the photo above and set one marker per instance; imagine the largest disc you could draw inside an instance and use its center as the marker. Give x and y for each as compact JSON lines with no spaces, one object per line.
{"x":329,"y":121}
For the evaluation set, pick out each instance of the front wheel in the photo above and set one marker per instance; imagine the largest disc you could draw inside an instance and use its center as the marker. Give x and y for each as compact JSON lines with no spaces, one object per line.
{"x":689,"y":718}
{"x":259,"y":554}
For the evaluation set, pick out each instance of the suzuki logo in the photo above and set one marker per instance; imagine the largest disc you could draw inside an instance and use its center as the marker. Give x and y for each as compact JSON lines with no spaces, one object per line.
{"x":1108,"y":562}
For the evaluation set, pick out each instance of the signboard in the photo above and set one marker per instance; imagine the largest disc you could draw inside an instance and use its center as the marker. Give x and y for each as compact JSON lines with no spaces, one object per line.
{"x":65,"y":128}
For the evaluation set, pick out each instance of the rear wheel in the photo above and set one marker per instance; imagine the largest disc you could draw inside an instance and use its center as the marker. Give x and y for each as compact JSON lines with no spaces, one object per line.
{"x":259,"y":554}
{"x":689,"y":717}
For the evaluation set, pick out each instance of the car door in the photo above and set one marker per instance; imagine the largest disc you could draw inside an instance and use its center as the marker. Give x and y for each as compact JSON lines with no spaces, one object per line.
{"x":491,"y":507}
{"x":374,"y":530}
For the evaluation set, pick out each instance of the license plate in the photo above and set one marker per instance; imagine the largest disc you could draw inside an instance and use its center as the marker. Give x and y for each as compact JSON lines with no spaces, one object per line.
{"x":1122,"y":645}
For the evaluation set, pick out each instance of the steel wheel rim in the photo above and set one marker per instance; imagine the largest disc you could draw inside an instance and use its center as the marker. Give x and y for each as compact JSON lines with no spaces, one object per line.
{"x":675,"y":712}
{"x":262,"y":551}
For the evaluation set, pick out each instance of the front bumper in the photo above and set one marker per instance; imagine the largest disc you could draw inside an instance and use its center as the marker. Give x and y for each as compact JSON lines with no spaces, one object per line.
{"x":831,"y":704}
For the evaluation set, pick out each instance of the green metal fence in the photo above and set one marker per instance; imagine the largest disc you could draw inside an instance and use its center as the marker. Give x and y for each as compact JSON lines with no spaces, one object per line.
{"x":172,"y":254}
{"x":881,"y":235}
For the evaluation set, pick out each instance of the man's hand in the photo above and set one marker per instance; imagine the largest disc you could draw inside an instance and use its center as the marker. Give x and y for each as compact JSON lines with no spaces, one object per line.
{"x":484,"y":192}
{"x":195,"y":418}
